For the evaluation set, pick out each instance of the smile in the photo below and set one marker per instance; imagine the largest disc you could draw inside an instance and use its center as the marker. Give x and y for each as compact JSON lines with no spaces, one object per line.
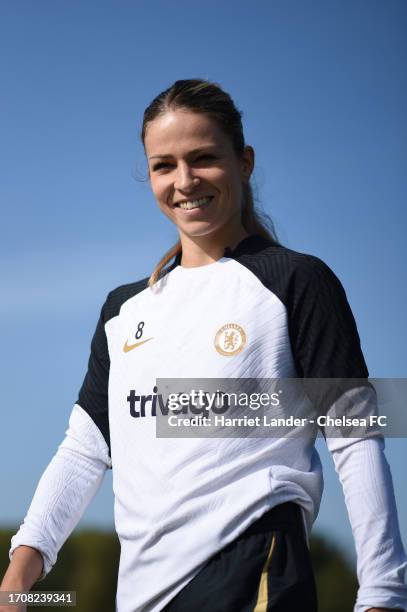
{"x":189,"y":204}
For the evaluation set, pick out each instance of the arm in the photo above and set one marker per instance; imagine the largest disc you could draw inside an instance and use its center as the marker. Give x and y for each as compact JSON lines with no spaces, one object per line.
{"x":326,"y":345}
{"x":368,"y":489}
{"x":73,"y":476}
{"x":25,"y":568}
{"x":65,"y":489}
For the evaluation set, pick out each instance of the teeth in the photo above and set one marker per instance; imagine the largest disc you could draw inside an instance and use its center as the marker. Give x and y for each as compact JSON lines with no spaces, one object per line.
{"x":193,"y":203}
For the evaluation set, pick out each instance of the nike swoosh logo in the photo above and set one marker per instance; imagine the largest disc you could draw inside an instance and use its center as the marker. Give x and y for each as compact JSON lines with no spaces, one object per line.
{"x":130,"y":347}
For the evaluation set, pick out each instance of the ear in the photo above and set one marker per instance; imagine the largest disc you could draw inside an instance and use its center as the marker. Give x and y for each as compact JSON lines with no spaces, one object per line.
{"x":247,"y":163}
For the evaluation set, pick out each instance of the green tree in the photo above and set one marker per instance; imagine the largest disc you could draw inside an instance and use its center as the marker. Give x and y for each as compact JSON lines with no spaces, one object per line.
{"x":336,"y":581}
{"x":89,"y":560}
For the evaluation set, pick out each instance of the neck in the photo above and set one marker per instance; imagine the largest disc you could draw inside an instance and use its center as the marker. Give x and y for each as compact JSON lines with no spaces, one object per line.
{"x":203,"y":250}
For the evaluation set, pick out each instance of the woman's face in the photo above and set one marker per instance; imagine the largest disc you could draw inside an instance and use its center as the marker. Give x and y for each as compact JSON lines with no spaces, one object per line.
{"x":195,"y":174}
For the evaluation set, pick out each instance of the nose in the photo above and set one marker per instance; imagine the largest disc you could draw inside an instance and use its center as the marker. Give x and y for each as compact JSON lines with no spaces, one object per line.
{"x":185,"y":179}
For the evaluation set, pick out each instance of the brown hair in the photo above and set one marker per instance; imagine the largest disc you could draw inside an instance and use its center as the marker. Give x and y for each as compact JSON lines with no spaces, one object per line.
{"x":202,"y":96}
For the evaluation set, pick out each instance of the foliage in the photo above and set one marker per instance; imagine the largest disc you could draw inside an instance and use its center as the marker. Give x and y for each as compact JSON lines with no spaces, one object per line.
{"x":336,"y":581}
{"x":88,"y":564}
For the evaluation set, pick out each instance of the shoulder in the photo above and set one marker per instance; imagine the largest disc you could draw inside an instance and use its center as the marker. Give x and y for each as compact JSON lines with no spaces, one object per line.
{"x":264,"y":254}
{"x":323,"y":332}
{"x":118,"y":296}
{"x":289,"y":273}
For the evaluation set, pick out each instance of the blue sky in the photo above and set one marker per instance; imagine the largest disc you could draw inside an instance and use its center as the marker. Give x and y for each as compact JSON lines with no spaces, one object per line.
{"x":322,"y":87}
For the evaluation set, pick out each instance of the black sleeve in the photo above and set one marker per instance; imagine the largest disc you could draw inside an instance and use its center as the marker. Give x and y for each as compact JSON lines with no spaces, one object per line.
{"x":323,"y":334}
{"x":323,"y":331}
{"x":93,"y":395}
{"x":324,"y":340}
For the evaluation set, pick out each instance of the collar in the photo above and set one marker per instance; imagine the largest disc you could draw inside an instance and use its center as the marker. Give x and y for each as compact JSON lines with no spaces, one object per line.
{"x":249,"y":244}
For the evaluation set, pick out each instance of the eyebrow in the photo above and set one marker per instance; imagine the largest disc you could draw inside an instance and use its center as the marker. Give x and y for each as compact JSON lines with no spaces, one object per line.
{"x":198,"y":150}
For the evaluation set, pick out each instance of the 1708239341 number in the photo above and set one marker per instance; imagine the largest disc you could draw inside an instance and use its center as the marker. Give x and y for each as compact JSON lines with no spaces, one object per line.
{"x":40,"y":598}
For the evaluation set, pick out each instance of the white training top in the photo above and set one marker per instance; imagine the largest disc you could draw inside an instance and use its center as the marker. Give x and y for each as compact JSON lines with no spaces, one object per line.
{"x":259,"y":312}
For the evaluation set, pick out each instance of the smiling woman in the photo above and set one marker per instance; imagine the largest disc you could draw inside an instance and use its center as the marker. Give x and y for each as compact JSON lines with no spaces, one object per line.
{"x":209,"y":523}
{"x":199,"y":186}
{"x":199,"y":169}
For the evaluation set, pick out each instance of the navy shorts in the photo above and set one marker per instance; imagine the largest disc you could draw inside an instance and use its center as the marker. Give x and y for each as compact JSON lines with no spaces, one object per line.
{"x":266,"y":569}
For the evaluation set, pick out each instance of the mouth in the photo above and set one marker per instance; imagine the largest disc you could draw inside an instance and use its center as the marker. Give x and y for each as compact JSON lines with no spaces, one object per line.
{"x":191,"y":204}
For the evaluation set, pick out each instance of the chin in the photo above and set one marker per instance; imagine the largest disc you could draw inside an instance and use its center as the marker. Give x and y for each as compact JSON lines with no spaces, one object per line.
{"x":199,"y":230}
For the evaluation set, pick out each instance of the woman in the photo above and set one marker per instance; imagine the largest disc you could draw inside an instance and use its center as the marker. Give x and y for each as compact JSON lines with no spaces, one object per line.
{"x":216,"y":525}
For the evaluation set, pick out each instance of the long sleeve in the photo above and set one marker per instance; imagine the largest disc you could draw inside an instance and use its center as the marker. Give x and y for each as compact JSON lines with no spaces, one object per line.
{"x":75,"y":473}
{"x":368,"y":489}
{"x":65,"y":489}
{"x":326,"y":345}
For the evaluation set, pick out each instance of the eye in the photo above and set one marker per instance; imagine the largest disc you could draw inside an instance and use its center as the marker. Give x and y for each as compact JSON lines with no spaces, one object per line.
{"x":206,"y":156}
{"x":160,"y":165}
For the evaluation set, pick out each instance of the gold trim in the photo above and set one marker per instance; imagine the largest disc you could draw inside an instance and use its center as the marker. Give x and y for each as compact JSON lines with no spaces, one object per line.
{"x":262,"y":598}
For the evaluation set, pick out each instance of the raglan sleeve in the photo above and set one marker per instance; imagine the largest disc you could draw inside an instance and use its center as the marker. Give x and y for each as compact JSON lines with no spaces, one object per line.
{"x":75,"y":473}
{"x":326,"y":345}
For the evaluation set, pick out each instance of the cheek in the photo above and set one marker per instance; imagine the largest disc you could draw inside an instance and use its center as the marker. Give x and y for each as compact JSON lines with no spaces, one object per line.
{"x":229,"y":179}
{"x":232,"y":189}
{"x":159,"y":189}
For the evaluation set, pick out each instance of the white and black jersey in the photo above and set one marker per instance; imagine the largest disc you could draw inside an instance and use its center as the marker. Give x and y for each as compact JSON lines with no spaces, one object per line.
{"x":179,"y":500}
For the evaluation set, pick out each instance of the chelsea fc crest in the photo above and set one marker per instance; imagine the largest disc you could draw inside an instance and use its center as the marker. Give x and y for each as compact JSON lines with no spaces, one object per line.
{"x":230,"y":339}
